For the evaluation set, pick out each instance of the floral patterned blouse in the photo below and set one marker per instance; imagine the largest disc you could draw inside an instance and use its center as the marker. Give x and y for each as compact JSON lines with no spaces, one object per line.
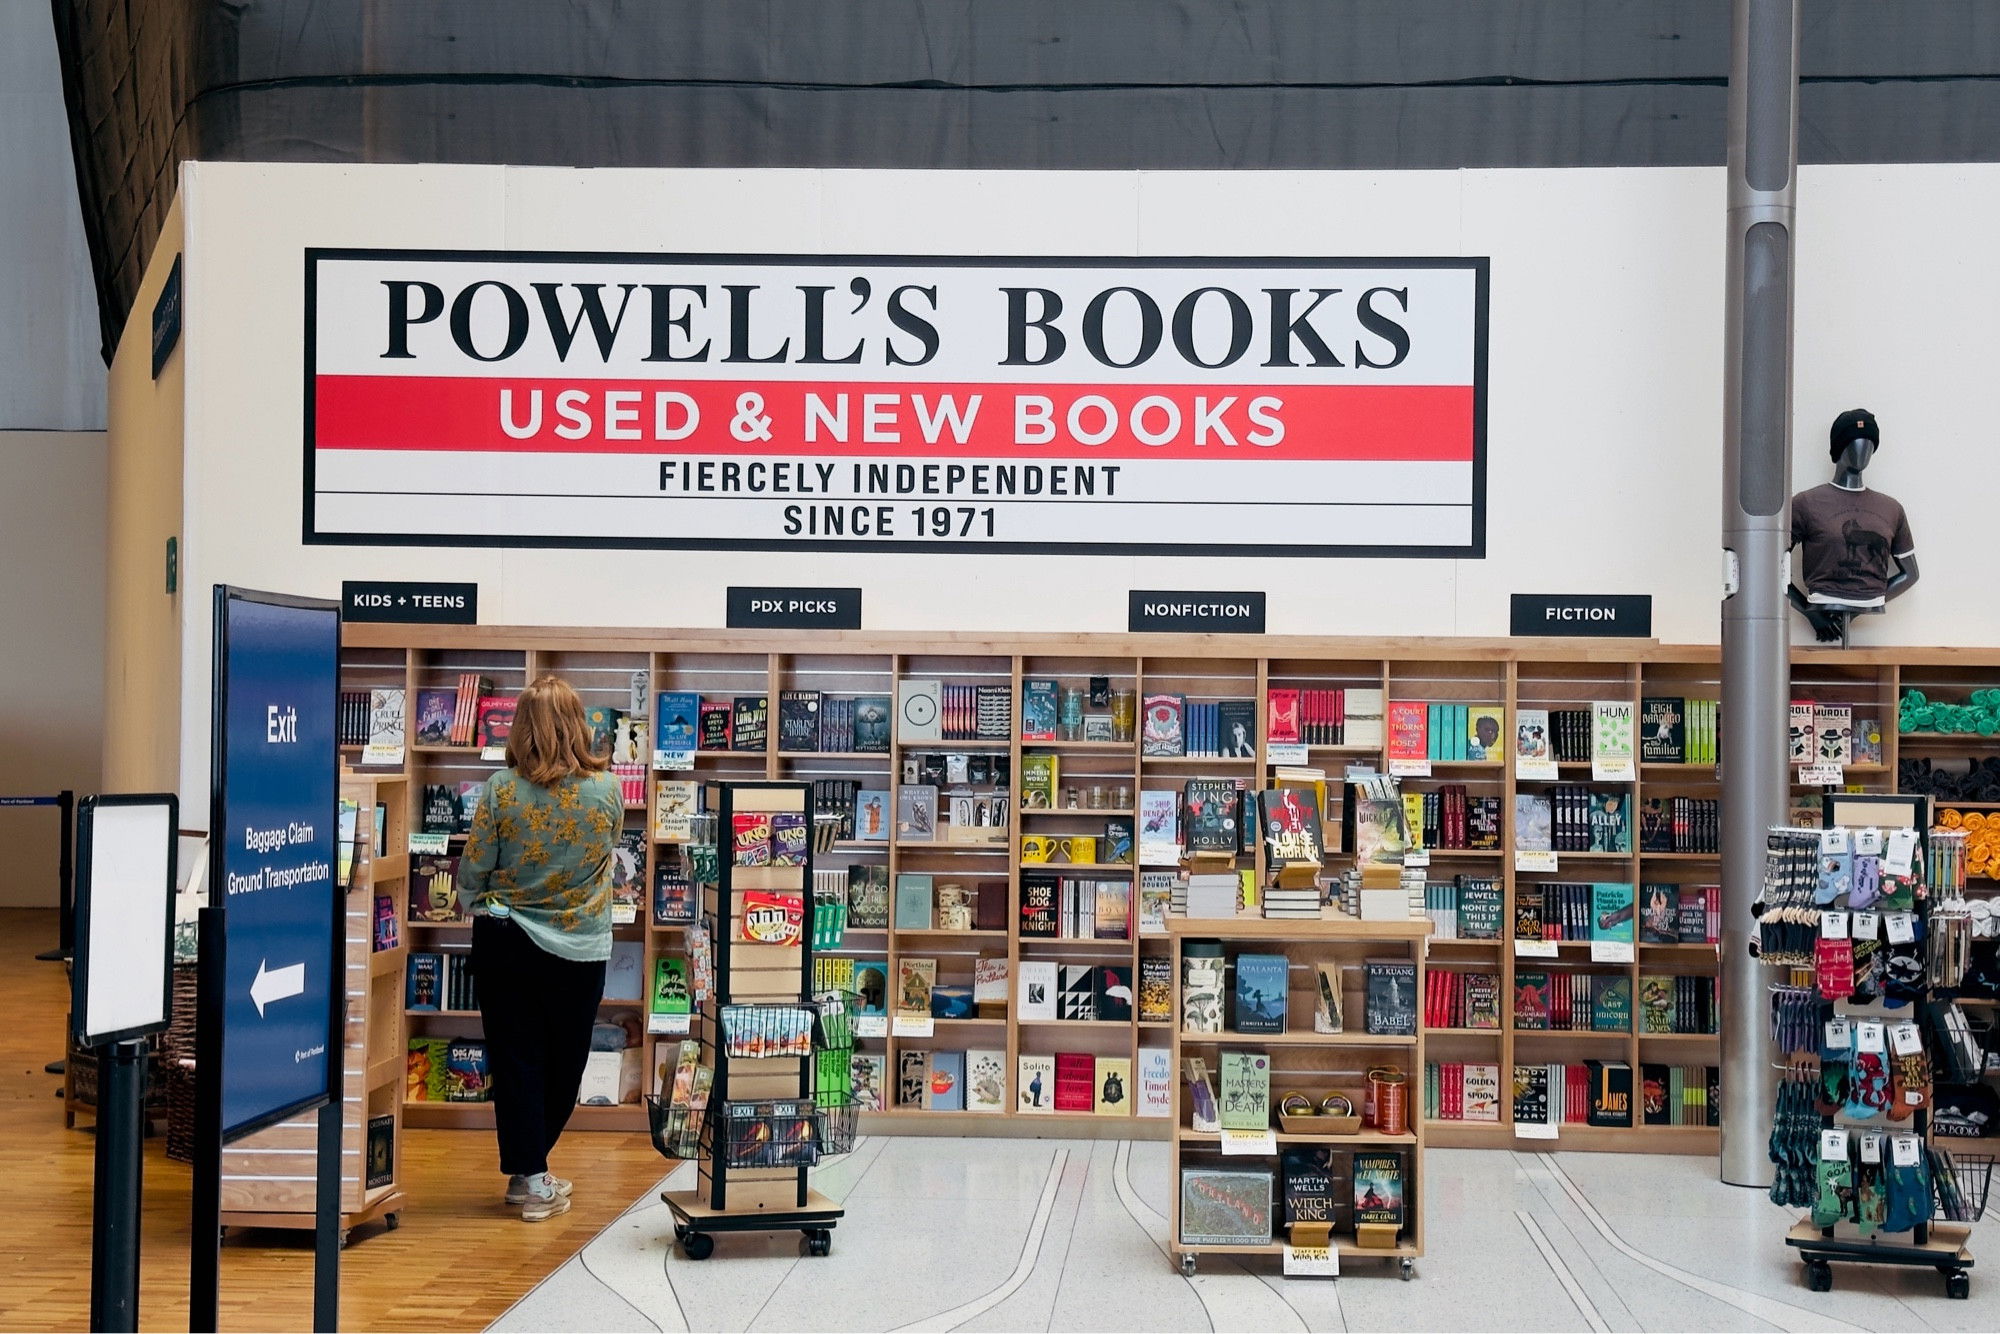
{"x":544,"y":854}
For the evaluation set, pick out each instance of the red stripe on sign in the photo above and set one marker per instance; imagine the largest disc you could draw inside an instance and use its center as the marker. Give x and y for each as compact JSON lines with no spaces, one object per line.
{"x":1431,"y":423}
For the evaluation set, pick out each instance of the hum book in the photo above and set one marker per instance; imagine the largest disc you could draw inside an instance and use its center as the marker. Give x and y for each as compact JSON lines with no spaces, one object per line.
{"x":1163,"y":726}
{"x":1611,"y":731}
{"x":1663,"y":730}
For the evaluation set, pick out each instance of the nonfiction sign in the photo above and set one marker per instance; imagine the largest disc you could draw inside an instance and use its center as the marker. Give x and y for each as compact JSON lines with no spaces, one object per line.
{"x":1054,"y":404}
{"x":276,"y":808}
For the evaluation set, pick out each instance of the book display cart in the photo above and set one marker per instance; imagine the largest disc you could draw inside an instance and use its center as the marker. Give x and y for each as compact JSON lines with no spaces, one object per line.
{"x":769,"y":1115}
{"x":1103,"y":776}
{"x":1237,"y":1178}
{"x":267,"y":1178}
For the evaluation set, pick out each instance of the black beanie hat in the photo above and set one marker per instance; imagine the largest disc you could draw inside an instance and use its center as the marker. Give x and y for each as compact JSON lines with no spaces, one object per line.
{"x":1854,"y":424}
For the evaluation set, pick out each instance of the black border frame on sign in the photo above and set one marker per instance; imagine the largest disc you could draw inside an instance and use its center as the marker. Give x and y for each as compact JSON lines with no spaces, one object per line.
{"x":336,"y":1031}
{"x":1479,"y":265}
{"x":80,"y":971}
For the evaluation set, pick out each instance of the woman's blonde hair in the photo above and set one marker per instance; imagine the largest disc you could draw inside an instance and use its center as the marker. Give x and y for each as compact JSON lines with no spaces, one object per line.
{"x":550,"y":739}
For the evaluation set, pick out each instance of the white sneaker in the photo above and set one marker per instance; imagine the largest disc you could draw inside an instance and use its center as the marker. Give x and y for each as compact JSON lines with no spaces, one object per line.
{"x":518,"y":1192}
{"x":540,"y":1207}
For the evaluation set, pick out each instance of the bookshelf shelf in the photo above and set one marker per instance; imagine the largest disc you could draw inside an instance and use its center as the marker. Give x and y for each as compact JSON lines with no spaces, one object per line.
{"x":1680,"y":856}
{"x":1432,"y":1032}
{"x":879,"y":757}
{"x":947,"y":747}
{"x":1189,"y":1135}
{"x":1198,"y":761}
{"x":939,"y":934}
{"x":1126,"y":867}
{"x":1579,"y":1034}
{"x":1296,"y":1039}
{"x":1066,"y":942}
{"x":1680,"y":1037}
{"x":1072,"y":812}
{"x":1101,"y":1025}
{"x":1128,"y":748}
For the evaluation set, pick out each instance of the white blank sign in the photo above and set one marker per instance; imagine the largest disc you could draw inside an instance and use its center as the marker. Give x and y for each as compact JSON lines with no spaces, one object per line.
{"x":126,"y":909}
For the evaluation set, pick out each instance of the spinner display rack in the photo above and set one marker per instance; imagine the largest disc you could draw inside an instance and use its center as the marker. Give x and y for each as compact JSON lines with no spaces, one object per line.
{"x":767,"y":1123}
{"x":1943,"y":1246}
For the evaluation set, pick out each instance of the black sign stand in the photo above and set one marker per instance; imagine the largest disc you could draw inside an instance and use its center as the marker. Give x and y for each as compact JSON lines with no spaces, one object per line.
{"x":205,"y":1241}
{"x":65,"y":887}
{"x":114,"y":1233}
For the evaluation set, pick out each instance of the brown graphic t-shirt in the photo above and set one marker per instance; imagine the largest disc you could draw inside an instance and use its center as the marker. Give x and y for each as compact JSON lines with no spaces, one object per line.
{"x":1846,"y":540}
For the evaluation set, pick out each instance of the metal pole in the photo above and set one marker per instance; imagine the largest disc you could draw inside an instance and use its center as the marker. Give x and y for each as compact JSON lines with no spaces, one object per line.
{"x":1757,"y":487}
{"x":65,"y":885}
{"x":326,"y":1214}
{"x":114,"y":1232}
{"x":205,"y":1236}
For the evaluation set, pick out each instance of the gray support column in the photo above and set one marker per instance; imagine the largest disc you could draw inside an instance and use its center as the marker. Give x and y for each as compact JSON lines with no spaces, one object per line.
{"x":1757,"y":486}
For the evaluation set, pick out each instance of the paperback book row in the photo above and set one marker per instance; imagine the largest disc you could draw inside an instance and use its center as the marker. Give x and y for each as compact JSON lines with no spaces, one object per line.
{"x":1226,"y":1205}
{"x":1466,"y":907}
{"x":1831,"y":734}
{"x":1669,"y":1003}
{"x":1600,"y":1093}
{"x":1251,"y":993}
{"x":468,"y":715}
{"x":1446,"y":732}
{"x":1060,"y":1082}
{"x":1469,"y":999}
{"x":1680,"y":824}
{"x":1572,"y":818}
{"x":1680,"y":914}
{"x":447,"y":1070}
{"x":1450,"y":818}
{"x":1075,"y":907}
{"x":1324,"y":717}
{"x":685,"y":721}
{"x":1564,"y":911}
{"x":1602,"y":733}
{"x":439,"y":981}
{"x":916,"y":990}
{"x":1669,"y":1095}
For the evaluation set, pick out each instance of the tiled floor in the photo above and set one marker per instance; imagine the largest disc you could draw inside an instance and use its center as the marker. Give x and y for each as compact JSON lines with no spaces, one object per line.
{"x":947,"y":1234}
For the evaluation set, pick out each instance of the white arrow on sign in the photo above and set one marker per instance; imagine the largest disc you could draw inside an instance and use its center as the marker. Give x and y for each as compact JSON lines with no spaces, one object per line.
{"x":274,"y":984}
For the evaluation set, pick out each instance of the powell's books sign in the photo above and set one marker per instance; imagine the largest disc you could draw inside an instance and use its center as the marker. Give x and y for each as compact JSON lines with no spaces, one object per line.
{"x":1083,"y":406}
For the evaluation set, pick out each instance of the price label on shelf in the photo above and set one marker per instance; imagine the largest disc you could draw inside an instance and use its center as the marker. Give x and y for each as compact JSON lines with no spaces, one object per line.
{"x":671,"y":1025}
{"x":1611,"y":769}
{"x":1820,"y":775}
{"x":1534,"y":1130}
{"x":1410,"y":768}
{"x":1904,"y":1150}
{"x":1417,"y":857}
{"x":1282,"y":752}
{"x":372,"y":754}
{"x":1611,"y":951}
{"x":1247,"y":1142}
{"x":1531,"y":859}
{"x":871,"y":1025}
{"x":1536,"y":770}
{"x":1535,"y":949}
{"x":913,"y":1026}
{"x":1312,"y":1262}
{"x":497,"y":753}
{"x":673,"y":759}
{"x":433,"y":844}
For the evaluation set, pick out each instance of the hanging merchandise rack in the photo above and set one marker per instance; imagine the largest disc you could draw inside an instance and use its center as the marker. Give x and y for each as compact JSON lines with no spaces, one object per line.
{"x":767,"y":1092}
{"x":1866,"y":920}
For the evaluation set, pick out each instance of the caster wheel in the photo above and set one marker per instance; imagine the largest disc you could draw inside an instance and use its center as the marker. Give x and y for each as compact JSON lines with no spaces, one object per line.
{"x":819,"y":1243}
{"x":697,"y":1245}
{"x":1408,"y":1268}
{"x":343,"y":1238}
{"x":680,"y":1232}
{"x":1957,"y":1286}
{"x":1187,"y":1266}
{"x":393,"y":1221}
{"x":1819,"y":1276}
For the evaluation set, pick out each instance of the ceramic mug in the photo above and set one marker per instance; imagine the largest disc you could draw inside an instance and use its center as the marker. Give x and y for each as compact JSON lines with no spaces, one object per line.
{"x":1037,"y":848}
{"x":1080,"y":850}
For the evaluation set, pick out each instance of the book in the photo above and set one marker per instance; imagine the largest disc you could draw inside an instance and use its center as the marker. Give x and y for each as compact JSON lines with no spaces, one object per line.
{"x":434,"y":895}
{"x":871,"y":724}
{"x":1378,"y":1189}
{"x":1663,"y":730}
{"x":1243,"y":1084}
{"x":1380,"y":838}
{"x":1409,"y":730}
{"x":1076,"y":1081}
{"x":1162,"y":726}
{"x":1038,"y":986}
{"x":1479,"y":908}
{"x":466,"y":1072}
{"x":387,"y":725}
{"x":871,"y":983}
{"x":1307,"y":1174}
{"x":496,"y":720}
{"x":1610,"y":1093}
{"x":1291,"y":826}
{"x":676,"y":801}
{"x":1328,"y":1016}
{"x":750,"y":722}
{"x":1159,"y":827}
{"x":1111,"y":910}
{"x":913,"y":1077}
{"x":915,"y":980}
{"x":799,"y":720}
{"x":676,"y":720}
{"x":1211,"y":815}
{"x":1534,"y":822}
{"x":1659,"y":914}
{"x":1113,"y":1076}
{"x":1611,"y":912}
{"x":670,"y":987}
{"x":1803,"y":736}
{"x":433,"y":719}
{"x":1039,"y":708}
{"x":1201,"y":992}
{"x":989,"y":987}
{"x":423,"y":982}
{"x":1486,"y":728}
{"x":1156,"y":988}
{"x":1226,"y":1206}
{"x":624,"y":975}
{"x":1610,"y":822}
{"x":1039,"y":778}
{"x":945,"y":1091}
{"x":1531,"y":1000}
{"x":913,"y":901}
{"x":1833,"y":726}
{"x":714,"y":724}
{"x":1281,"y":717}
{"x":1035,"y":1083}
{"x":867,"y":1074}
{"x":381,"y":1150}
{"x":868,"y":896}
{"x":1656,"y":1003}
{"x":1391,"y":1005}
{"x":917,"y":813}
{"x":1155,"y":1074}
{"x":628,"y":876}
{"x":1611,"y":1005}
{"x":1076,"y":993}
{"x":919,"y":710}
{"x":1111,"y":993}
{"x":1261,"y":984}
{"x":1156,"y":894}
{"x":985,"y":1080}
{"x":1236,"y":728}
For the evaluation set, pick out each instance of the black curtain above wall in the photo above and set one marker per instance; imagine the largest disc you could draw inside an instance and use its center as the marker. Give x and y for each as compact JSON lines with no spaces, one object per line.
{"x":1108,"y":84}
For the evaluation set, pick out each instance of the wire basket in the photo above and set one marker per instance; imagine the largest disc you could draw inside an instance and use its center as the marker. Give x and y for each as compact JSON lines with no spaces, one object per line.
{"x":785,"y":1132}
{"x":676,"y":1129}
{"x":839,"y":1126}
{"x":1961,"y":1181}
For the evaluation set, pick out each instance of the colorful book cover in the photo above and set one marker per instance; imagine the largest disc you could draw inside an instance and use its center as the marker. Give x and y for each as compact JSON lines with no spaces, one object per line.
{"x":1480,"y":1100}
{"x":1114,"y":1086}
{"x":1610,"y":822}
{"x":1039,"y":777}
{"x":1409,"y":730}
{"x":1156,"y":1081}
{"x":871,"y":724}
{"x":1162,"y":726}
{"x":496,"y":720}
{"x":1391,"y":997}
{"x":1378,"y":1189}
{"x":1038,"y":709}
{"x":915,"y":980}
{"x":985,"y":1081}
{"x":1611,"y":912}
{"x":1531,"y":735}
{"x":1379,"y":834}
{"x":1482,"y":1000}
{"x":628,"y":876}
{"x":1611,"y":731}
{"x":670,"y":987}
{"x":750,"y":722}
{"x":1611,"y":1004}
{"x":1656,"y":1003}
{"x":1659,"y":914}
{"x":1531,"y":1095}
{"x":1211,"y":815}
{"x":1281,"y":716}
{"x":799,"y":720}
{"x":1035,"y":1083}
{"x":868,"y":897}
{"x":434,"y":713}
{"x":602,"y":720}
{"x":675,"y":803}
{"x":434,"y":893}
{"x":423,"y":982}
{"x":1244,"y":1088}
{"x":1159,"y":827}
{"x":1226,"y":1206}
{"x":1803,"y":735}
{"x":466,"y":1076}
{"x":871,"y":983}
{"x":1531,"y":1000}
{"x":1261,"y":984}
{"x":714,"y":723}
{"x":1534,"y":821}
{"x":1663,"y":730}
{"x":676,"y":720}
{"x":1485,"y":728}
{"x":1156,"y":989}
{"x":868,"y":1073}
{"x":1291,"y":826}
{"x":1480,"y":901}
{"x":946,"y":1091}
{"x":424,"y":1069}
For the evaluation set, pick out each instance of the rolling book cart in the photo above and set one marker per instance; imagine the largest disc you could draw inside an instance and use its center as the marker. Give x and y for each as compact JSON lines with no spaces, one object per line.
{"x":778,"y":1101}
{"x":1864,"y":1019}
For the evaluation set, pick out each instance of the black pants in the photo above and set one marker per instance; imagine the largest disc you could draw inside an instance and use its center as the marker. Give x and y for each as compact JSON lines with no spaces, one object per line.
{"x":537,"y":1010}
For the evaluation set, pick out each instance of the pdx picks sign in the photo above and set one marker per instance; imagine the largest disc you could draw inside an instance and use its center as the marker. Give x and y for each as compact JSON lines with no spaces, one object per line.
{"x":1182,"y":407}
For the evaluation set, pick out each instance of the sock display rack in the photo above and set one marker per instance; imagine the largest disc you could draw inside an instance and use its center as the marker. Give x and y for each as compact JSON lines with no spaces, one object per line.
{"x":959,"y":868}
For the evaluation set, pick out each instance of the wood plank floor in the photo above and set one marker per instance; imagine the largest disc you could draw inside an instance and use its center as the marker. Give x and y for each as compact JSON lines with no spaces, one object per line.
{"x":459,"y":1259}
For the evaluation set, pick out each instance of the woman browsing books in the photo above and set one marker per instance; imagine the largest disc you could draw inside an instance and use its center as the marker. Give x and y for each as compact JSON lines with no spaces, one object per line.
{"x":537,"y":874}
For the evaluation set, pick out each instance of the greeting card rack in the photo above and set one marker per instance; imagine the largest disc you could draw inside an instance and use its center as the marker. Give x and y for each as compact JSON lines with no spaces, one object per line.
{"x":765,"y":1124}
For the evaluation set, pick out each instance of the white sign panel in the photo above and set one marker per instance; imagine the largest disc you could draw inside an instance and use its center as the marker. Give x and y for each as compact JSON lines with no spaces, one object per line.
{"x":1279,"y":406}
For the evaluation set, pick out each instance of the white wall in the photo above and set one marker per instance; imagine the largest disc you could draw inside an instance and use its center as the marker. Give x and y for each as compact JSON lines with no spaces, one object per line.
{"x":1604,"y":453}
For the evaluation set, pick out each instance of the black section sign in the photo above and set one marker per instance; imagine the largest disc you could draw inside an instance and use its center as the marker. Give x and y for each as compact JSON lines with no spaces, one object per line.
{"x":1596,"y":615}
{"x":167,"y":318}
{"x":1154,"y":609}
{"x":794,"y":609}
{"x":422,"y":603}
